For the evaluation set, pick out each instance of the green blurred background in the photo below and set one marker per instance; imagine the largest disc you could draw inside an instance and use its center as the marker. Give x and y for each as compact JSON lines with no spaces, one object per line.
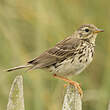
{"x":29,"y":27}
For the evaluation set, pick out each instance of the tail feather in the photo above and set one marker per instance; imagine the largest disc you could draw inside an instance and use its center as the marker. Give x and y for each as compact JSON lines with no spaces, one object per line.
{"x":18,"y":67}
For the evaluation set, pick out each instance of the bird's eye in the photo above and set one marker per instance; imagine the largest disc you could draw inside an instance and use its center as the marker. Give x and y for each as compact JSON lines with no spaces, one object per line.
{"x":86,"y":30}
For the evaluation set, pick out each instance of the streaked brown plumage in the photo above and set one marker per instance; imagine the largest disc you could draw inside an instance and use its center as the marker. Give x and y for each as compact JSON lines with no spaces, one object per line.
{"x":70,"y":56}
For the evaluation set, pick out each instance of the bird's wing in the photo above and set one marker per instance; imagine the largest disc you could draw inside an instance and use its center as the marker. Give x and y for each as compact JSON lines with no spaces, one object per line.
{"x":61,"y":51}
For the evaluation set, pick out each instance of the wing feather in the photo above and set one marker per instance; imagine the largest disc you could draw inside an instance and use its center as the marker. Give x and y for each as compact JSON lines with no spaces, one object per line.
{"x":53,"y":55}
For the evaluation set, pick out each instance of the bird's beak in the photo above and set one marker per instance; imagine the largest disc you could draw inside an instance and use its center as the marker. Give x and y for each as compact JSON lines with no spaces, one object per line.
{"x":98,"y":30}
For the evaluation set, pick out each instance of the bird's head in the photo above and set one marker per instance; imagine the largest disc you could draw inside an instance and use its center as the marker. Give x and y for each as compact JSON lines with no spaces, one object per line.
{"x":88,"y":31}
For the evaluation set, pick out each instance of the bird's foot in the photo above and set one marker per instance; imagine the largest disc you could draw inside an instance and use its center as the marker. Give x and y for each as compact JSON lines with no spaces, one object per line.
{"x":75,"y":84}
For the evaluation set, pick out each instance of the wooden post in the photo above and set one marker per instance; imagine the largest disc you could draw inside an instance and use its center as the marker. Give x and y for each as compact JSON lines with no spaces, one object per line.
{"x":16,"y":98}
{"x":109,"y":105}
{"x":72,"y":99}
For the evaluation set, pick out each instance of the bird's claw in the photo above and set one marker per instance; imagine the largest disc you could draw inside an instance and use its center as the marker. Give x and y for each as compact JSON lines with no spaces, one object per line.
{"x":77,"y":86}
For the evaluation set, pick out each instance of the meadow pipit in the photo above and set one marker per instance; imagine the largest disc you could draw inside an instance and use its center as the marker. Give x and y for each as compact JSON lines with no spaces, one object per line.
{"x":68,"y":57}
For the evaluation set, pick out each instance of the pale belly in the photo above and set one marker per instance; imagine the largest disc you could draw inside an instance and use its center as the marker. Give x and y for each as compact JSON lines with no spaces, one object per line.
{"x":69,"y":67}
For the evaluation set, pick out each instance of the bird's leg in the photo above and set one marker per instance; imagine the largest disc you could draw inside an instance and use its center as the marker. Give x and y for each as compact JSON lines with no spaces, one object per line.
{"x":71,"y":82}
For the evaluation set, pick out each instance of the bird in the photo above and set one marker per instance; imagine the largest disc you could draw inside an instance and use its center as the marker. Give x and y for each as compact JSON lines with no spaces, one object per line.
{"x":68,"y":57}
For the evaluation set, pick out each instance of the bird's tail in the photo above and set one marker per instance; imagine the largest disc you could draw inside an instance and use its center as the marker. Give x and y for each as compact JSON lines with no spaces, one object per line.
{"x":18,"y":67}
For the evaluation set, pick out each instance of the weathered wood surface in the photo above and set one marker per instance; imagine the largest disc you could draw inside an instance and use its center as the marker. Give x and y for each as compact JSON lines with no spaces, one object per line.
{"x":16,"y":98}
{"x":72,"y":99}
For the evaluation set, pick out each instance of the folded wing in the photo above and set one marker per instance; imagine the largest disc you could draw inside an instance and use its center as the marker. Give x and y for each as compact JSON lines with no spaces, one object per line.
{"x":56,"y":54}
